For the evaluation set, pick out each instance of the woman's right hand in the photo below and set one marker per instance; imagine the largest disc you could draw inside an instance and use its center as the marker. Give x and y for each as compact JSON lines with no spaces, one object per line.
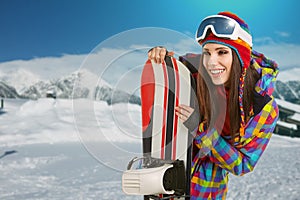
{"x":158,"y":54}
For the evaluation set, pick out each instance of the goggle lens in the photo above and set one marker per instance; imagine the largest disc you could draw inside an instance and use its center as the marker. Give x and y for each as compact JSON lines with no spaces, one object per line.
{"x":221,"y":26}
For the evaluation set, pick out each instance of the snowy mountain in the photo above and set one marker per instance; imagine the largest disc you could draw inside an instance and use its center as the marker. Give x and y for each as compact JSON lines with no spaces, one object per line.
{"x":111,"y":96}
{"x":8,"y":91}
{"x":64,"y":88}
{"x":288,"y":91}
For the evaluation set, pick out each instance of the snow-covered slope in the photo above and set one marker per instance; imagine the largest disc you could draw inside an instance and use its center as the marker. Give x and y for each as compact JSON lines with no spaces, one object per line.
{"x":55,"y":161}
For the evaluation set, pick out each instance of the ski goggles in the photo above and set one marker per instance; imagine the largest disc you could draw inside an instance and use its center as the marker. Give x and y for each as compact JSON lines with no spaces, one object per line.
{"x":223,"y":27}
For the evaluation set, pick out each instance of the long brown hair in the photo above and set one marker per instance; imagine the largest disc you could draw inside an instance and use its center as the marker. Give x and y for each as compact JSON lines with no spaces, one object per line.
{"x":210,"y":102}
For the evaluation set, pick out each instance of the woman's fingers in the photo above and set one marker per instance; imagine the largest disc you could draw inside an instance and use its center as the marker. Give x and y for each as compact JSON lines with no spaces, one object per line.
{"x":183,"y":112}
{"x":186,"y":108}
{"x":162,"y":55}
{"x":181,"y":116}
{"x":188,"y":116}
{"x":157,"y":54}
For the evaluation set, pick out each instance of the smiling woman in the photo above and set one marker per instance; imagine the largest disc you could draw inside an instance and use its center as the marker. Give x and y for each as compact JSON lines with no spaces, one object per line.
{"x":237,"y":110}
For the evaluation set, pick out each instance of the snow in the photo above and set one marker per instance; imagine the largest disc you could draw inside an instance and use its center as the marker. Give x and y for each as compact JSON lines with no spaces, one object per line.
{"x":295,"y":117}
{"x":77,"y":149}
{"x":288,"y":105}
{"x":287,"y":125}
{"x":290,"y":74}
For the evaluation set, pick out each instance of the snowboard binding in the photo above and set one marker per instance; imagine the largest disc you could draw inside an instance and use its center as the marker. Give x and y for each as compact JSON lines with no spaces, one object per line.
{"x":154,"y":176}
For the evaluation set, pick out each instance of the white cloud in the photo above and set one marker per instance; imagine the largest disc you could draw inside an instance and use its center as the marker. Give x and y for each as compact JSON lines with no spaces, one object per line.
{"x":289,"y":75}
{"x":285,"y":54}
{"x":45,"y":67}
{"x":283,"y":34}
{"x":122,"y":67}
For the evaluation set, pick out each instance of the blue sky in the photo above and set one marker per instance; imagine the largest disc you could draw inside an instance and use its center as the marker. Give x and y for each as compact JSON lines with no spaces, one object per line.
{"x":44,"y":28}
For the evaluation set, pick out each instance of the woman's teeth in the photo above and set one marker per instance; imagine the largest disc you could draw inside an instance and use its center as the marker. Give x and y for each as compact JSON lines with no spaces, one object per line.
{"x":217,"y":71}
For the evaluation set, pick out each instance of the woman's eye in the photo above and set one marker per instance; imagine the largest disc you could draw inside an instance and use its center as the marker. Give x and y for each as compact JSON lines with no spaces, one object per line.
{"x":205,"y":53}
{"x":222,"y":52}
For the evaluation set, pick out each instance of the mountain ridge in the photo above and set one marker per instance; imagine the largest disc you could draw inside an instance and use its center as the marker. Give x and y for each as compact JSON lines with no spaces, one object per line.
{"x":68,"y":87}
{"x":76,"y":85}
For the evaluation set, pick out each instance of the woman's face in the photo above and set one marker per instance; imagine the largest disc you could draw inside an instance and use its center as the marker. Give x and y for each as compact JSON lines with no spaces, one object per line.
{"x":217,"y":60}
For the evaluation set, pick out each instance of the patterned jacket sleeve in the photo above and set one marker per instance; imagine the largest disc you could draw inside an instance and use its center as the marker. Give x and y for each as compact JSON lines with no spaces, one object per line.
{"x":241,"y":158}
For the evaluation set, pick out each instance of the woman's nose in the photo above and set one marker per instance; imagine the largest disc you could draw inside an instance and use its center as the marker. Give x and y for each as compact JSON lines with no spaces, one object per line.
{"x":212,"y":61}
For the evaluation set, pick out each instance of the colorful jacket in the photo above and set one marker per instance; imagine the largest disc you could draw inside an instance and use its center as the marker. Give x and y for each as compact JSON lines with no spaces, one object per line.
{"x":217,"y":157}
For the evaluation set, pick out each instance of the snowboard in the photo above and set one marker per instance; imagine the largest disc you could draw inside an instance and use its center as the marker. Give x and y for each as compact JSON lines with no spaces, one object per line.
{"x":163,"y":87}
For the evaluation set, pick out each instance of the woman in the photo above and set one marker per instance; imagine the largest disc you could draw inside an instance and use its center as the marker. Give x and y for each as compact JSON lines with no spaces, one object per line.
{"x":237,"y":110}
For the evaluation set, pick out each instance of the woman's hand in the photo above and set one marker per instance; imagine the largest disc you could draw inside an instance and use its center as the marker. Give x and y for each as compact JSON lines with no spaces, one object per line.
{"x":183,"y":112}
{"x":189,"y":116}
{"x":158,"y":54}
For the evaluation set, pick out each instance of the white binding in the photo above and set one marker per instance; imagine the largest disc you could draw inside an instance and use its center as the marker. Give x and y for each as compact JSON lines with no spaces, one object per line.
{"x":145,"y":181}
